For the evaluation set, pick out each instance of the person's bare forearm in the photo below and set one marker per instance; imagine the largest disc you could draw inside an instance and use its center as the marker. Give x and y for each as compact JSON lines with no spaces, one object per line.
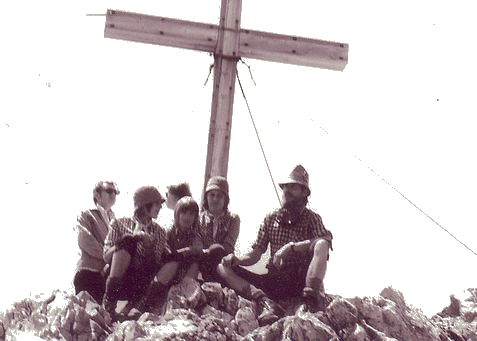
{"x":302,"y":246}
{"x":250,"y":258}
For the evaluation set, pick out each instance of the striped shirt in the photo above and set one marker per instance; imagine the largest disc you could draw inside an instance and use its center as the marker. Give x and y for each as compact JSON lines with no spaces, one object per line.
{"x":277,"y":230}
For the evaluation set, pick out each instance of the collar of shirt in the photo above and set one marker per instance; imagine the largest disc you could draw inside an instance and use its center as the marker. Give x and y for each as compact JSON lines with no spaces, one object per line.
{"x":292,"y":216}
{"x":217,"y":222}
{"x":176,"y":233}
{"x":141,"y":227}
{"x":107,"y":215}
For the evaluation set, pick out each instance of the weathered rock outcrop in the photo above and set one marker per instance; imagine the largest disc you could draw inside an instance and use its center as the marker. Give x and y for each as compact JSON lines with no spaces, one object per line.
{"x":193,"y":311}
{"x":58,"y":317}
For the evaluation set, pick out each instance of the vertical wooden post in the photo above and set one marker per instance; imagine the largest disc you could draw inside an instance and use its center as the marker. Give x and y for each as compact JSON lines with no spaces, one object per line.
{"x":228,"y":44}
{"x":225,"y":71}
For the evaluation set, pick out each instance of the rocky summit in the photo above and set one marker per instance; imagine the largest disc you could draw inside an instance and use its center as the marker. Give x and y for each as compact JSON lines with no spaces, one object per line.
{"x":208,"y":311}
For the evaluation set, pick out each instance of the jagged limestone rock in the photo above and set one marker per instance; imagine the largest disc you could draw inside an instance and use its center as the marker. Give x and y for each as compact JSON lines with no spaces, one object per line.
{"x":457,"y":321}
{"x":217,"y":313}
{"x":389,"y":315}
{"x":211,"y":312}
{"x":342,"y":314}
{"x":354,"y":333}
{"x":214,"y":294}
{"x":188,"y":294}
{"x":246,"y":320}
{"x":127,"y":331}
{"x":307,"y":327}
{"x":230,"y":301}
{"x":60,"y":316}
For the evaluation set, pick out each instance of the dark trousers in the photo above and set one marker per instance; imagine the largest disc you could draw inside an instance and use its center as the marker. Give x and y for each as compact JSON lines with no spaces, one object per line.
{"x":141,"y":270}
{"x":92,"y":282}
{"x":208,"y":263}
{"x":277,"y":284}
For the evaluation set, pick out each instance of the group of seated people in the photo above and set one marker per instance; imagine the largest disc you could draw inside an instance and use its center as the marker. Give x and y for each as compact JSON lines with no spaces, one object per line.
{"x":136,"y":260}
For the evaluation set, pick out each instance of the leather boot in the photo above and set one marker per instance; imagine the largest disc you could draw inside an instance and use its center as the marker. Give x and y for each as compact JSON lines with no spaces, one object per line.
{"x":313,"y":301}
{"x":111,"y":295}
{"x":154,"y":298}
{"x":270,"y":311}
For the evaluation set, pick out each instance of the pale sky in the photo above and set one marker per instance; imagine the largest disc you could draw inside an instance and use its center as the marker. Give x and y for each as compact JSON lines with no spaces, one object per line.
{"x":77,"y":108}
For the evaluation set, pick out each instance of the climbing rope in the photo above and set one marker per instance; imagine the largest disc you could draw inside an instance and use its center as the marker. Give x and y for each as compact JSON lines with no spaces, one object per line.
{"x":256,"y":131}
{"x":412,"y":203}
{"x":400,"y":193}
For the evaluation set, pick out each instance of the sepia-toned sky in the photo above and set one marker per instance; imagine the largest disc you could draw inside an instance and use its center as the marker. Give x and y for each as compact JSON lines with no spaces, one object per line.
{"x":387,"y":141}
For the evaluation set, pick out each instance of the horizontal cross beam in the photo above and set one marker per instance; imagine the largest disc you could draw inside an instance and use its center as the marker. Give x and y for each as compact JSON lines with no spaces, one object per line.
{"x":204,"y":37}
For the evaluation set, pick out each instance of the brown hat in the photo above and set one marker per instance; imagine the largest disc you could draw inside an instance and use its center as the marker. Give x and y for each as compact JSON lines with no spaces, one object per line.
{"x":218,"y":183}
{"x":145,"y":195}
{"x":299,"y":175}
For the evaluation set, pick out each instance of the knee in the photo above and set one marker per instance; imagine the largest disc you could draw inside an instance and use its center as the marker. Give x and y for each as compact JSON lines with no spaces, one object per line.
{"x":128,"y":243}
{"x":216,"y":252}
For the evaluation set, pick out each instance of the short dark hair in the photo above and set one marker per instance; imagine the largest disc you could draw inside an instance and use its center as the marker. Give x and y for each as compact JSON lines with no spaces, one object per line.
{"x":181,"y":190}
{"x":101,"y":186}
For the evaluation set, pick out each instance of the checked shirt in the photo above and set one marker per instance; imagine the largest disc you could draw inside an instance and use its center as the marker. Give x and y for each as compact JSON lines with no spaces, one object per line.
{"x":277,"y":230}
{"x":177,"y":239}
{"x":226,"y":227}
{"x":153,"y":242}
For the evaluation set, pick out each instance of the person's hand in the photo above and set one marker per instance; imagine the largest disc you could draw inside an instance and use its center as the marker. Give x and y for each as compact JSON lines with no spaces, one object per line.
{"x":196,"y":247}
{"x":184,"y":252}
{"x":229,"y":260}
{"x":195,"y":250}
{"x":281,"y":254}
{"x":137,"y":235}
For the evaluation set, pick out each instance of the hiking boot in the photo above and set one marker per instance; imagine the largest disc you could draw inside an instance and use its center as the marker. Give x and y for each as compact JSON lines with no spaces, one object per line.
{"x":313,"y":301}
{"x":270,"y":311}
{"x":151,"y":301}
{"x":154,"y":298}
{"x":111,"y":295}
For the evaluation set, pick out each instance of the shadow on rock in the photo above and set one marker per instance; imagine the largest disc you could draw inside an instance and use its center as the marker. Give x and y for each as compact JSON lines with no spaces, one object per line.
{"x":208,"y":311}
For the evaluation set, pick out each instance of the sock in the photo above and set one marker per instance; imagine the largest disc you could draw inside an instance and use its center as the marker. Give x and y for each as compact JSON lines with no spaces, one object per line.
{"x":315,"y":283}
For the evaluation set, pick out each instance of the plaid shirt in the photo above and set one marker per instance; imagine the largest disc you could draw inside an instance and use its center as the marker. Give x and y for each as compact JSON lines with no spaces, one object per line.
{"x":177,"y":239}
{"x":153,"y":243}
{"x":277,"y":230}
{"x":227,"y":230}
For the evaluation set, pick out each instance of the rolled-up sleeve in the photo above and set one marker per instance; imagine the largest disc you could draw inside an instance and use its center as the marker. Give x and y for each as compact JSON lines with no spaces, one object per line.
{"x":263,"y":238}
{"x":320,"y":232}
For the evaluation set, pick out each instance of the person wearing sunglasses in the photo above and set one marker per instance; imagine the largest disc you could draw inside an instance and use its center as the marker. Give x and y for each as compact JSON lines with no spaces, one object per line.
{"x":92,"y":227}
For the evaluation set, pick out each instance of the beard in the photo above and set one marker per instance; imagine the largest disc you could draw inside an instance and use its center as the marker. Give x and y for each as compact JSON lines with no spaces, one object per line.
{"x":291,"y":202}
{"x":294,"y":206}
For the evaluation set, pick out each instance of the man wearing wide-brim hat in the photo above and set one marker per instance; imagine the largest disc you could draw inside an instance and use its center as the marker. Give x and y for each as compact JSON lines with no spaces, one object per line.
{"x":299,"y":245}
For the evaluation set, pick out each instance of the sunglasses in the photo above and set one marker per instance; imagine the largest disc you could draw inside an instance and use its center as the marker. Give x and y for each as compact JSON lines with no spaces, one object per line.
{"x":111,"y":191}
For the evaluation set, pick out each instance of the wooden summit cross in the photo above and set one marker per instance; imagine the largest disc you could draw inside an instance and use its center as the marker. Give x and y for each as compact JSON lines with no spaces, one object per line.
{"x":228,"y":42}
